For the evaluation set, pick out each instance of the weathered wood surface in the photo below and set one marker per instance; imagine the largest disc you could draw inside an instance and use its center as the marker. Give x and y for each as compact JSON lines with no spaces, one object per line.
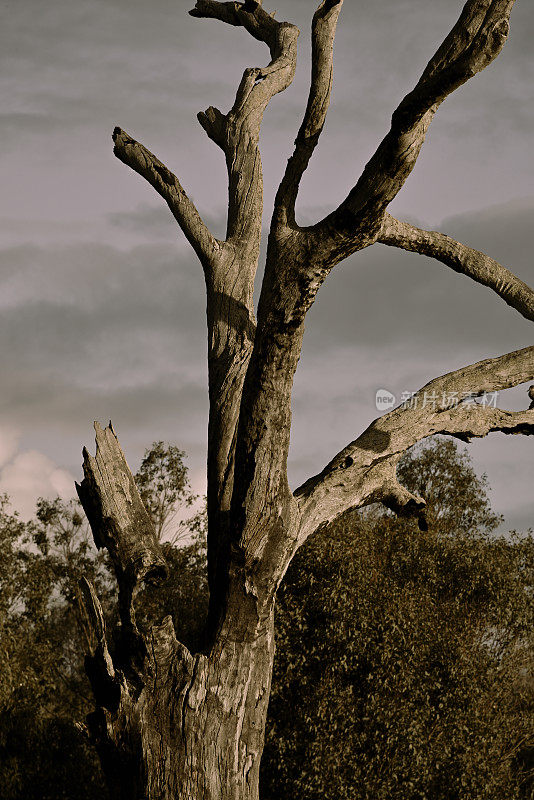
{"x":170,"y":723}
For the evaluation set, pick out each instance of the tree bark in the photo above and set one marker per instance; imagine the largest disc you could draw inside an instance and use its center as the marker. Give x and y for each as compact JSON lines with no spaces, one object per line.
{"x":174,"y":724}
{"x":195,"y":729}
{"x":169,"y":723}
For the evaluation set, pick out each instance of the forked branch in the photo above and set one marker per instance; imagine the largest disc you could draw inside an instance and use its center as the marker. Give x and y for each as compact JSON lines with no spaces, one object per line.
{"x":476,"y":265}
{"x":237,"y":132}
{"x":365,"y":471}
{"x":230,"y":304}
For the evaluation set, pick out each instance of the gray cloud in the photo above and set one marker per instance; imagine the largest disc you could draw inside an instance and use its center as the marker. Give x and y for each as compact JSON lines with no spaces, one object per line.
{"x":385,"y":296}
{"x":156,"y":222}
{"x":91,"y":332}
{"x":101,"y":301}
{"x":73,"y":71}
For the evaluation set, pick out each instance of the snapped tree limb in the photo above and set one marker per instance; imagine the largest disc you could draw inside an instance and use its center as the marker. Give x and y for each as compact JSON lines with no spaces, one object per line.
{"x":120,"y":523}
{"x":365,"y":471}
{"x":476,"y":265}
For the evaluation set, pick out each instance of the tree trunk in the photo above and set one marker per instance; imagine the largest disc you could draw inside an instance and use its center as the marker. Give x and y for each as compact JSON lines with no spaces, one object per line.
{"x":169,"y":723}
{"x":195,"y":730}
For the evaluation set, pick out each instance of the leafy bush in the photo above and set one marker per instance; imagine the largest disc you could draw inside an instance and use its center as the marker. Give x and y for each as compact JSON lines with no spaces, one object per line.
{"x":404,"y":660}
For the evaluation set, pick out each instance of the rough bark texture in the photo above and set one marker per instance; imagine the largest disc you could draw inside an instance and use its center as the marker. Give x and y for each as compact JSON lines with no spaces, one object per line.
{"x":170,"y":723}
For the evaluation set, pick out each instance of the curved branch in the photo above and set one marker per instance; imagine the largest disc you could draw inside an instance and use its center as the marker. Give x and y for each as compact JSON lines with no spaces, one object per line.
{"x":324,"y":25}
{"x":476,"y":265}
{"x":237,"y":132}
{"x":365,"y":471}
{"x":145,"y":163}
{"x":474,"y":42}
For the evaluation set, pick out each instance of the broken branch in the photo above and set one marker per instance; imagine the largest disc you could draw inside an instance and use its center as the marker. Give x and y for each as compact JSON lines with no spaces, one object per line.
{"x":145,"y":163}
{"x":237,"y":132}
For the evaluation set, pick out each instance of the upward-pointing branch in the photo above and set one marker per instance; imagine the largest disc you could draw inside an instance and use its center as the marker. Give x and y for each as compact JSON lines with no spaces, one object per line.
{"x":230,"y":305}
{"x":145,"y":163}
{"x":323,"y":34}
{"x":474,"y":42}
{"x":476,"y":265}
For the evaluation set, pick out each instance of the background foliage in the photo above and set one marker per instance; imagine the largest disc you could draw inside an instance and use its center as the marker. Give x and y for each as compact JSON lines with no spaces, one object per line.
{"x":404,"y":663}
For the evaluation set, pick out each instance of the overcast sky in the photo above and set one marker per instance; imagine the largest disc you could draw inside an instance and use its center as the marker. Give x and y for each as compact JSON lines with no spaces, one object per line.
{"x":102,"y":300}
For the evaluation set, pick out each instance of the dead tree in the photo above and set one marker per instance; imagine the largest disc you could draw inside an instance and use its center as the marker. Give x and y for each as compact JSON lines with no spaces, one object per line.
{"x":174,"y":724}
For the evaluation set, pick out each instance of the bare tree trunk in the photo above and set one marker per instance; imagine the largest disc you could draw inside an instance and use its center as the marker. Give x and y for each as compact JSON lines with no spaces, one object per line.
{"x":169,"y":723}
{"x":196,"y":728}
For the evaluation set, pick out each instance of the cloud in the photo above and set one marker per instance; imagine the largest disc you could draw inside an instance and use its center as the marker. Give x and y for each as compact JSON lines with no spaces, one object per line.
{"x":502,"y":230}
{"x":392,"y":301}
{"x":29,"y":475}
{"x":91,"y":331}
{"x":86,"y":67}
{"x":389,"y":319}
{"x":102,"y":308}
{"x":9,"y":440}
{"x":157,"y":223}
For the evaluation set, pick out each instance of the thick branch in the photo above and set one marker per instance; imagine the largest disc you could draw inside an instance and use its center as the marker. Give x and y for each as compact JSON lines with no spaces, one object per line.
{"x":460,"y":258}
{"x":136,"y":156}
{"x":323,"y":34}
{"x":263,"y":434}
{"x":365,"y":471}
{"x":474,"y":42}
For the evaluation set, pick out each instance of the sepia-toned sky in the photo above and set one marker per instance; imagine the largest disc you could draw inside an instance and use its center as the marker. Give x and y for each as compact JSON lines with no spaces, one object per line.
{"x":102,"y":309}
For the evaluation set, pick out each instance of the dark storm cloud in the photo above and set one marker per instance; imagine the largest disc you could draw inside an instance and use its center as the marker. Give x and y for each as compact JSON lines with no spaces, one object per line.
{"x":145,"y":220}
{"x":384,"y":296}
{"x":504,"y":231}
